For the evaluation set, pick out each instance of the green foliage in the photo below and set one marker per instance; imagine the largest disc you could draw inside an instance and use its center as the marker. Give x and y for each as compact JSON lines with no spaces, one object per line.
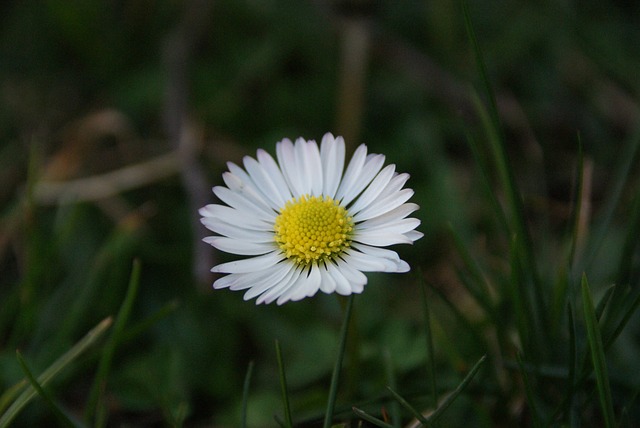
{"x":518,"y":123}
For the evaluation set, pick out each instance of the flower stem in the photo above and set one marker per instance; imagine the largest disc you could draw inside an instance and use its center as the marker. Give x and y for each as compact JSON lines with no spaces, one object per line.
{"x":333,"y":388}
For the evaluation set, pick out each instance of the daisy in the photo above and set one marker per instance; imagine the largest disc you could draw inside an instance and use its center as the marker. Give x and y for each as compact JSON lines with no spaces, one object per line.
{"x":306,"y":224}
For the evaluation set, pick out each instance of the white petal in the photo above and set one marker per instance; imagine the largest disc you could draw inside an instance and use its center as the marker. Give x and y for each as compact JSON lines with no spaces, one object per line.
{"x":353,"y":171}
{"x":414,"y":235}
{"x":293,"y":287}
{"x":275,"y":292}
{"x":327,"y":283}
{"x":391,"y":258}
{"x":342,"y":284}
{"x":397,"y":226}
{"x":248,"y":190}
{"x":389,"y":217}
{"x":364,"y":262}
{"x":384,"y":205}
{"x":332,"y":155}
{"x":271,"y":167}
{"x":371,"y":167}
{"x":303,"y":164}
{"x":264,"y":183}
{"x":311,"y":285}
{"x":226,"y":281}
{"x":286,"y":154}
{"x":252,"y":264}
{"x":395,"y":184}
{"x":355,"y":277}
{"x":212,"y":213}
{"x":237,"y":246}
{"x":268,"y":281}
{"x":357,"y":288}
{"x":241,"y":201}
{"x":233,"y":231}
{"x":313,"y":167}
{"x":373,"y":191}
{"x":381,"y":238}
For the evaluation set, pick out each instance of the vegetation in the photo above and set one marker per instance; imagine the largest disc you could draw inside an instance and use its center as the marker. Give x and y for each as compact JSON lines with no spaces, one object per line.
{"x":518,"y":121}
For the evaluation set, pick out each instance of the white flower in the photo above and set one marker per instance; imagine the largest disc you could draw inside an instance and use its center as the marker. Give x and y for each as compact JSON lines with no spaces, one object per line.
{"x":305,"y":224}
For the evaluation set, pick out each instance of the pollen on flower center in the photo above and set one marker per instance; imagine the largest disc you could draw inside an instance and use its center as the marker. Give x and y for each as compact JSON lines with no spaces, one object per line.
{"x":311,"y":229}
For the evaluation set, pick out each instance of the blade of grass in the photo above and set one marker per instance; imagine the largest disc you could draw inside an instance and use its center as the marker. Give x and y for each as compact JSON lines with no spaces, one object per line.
{"x":456,"y":392}
{"x":573,"y":364}
{"x":140,"y":327}
{"x":65,"y":360}
{"x":521,"y":304}
{"x":59,"y":414}
{"x":283,"y":387}
{"x":497,"y":141}
{"x":431,"y":361}
{"x":627,"y":156}
{"x":367,"y":417}
{"x":404,"y":403}
{"x":335,"y":376}
{"x":528,"y":389}
{"x":245,"y":395}
{"x":577,"y":212}
{"x":480,"y":292}
{"x":623,"y":322}
{"x":390,"y":374}
{"x":597,"y":355}
{"x":96,"y":396}
{"x":485,"y":181}
{"x":466,"y":323}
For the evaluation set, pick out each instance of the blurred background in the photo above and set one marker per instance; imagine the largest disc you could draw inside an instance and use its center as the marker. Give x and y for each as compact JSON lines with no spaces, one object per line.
{"x":117,"y":118}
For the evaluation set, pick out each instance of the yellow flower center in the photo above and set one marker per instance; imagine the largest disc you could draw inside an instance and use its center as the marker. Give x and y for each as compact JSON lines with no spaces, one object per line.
{"x":313,"y":229}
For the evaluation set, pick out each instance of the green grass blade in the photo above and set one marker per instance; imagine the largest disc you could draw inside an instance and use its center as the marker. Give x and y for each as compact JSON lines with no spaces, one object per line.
{"x":597,"y":355}
{"x":485,"y":181}
{"x":60,"y":415}
{"x":404,"y":403}
{"x":283,"y":388}
{"x":528,"y":389}
{"x":65,"y":360}
{"x":631,"y":310}
{"x":456,"y":392}
{"x":521,"y":302}
{"x":577,"y":212}
{"x":245,"y":395}
{"x":95,"y":402}
{"x":573,"y":365}
{"x":333,"y":388}
{"x":627,"y":156}
{"x":390,"y":374}
{"x":478,"y":286}
{"x":140,"y":327}
{"x":497,"y":140}
{"x":498,"y":144}
{"x":371,"y":419}
{"x":630,"y":245}
{"x":431,"y":360}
